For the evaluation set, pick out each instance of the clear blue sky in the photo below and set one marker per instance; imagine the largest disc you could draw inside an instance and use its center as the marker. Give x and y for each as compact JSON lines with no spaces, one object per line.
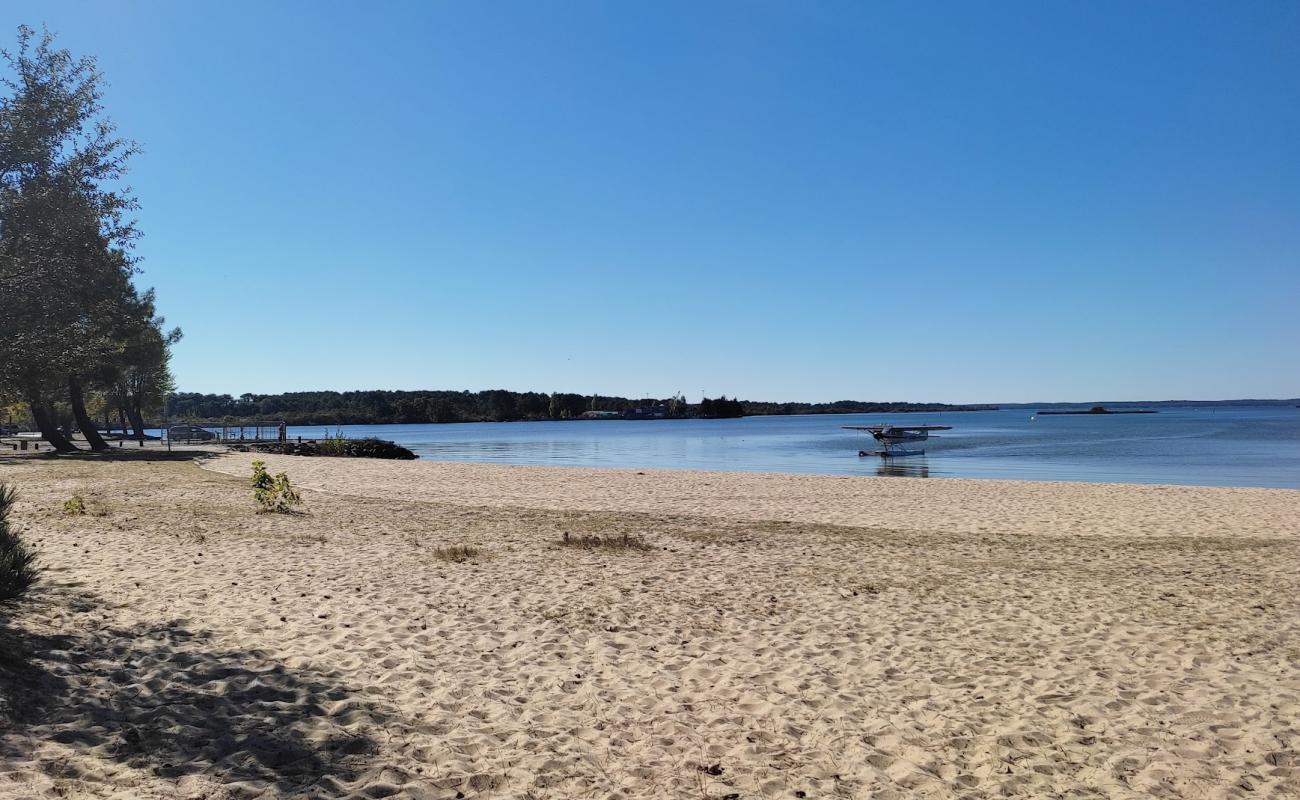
{"x":957,"y":202}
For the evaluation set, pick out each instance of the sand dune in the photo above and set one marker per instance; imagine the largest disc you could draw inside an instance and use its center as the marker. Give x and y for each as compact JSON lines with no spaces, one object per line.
{"x":784,"y":638}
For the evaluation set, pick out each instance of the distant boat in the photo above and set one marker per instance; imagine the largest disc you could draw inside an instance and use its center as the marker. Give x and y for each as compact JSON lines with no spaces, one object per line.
{"x":1099,"y":410}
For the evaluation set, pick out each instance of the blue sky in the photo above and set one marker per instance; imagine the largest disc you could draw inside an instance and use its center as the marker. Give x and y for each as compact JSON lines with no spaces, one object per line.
{"x":963,"y":202}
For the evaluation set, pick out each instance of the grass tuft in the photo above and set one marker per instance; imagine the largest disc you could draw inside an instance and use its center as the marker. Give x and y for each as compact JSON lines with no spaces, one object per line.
{"x":456,"y":553}
{"x":74,"y":506}
{"x":593,"y":542}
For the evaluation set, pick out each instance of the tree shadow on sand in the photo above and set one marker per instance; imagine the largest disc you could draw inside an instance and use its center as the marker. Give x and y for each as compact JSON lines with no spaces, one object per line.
{"x":164,"y":700}
{"x":11,"y":458}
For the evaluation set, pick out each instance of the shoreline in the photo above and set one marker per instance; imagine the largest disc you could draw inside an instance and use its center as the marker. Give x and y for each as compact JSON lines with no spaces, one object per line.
{"x":199,"y":452}
{"x":949,"y":504}
{"x":688,"y":471}
{"x":154,"y":446}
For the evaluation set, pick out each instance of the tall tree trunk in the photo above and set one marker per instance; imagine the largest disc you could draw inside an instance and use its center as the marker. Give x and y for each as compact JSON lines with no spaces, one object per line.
{"x":45,"y":423}
{"x":137,"y":421}
{"x":121,"y":418}
{"x":84,"y":421}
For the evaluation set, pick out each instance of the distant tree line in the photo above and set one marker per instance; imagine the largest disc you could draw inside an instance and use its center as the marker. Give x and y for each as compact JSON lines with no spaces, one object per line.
{"x":856,"y":407}
{"x":721,"y":408}
{"x":383,"y":407}
{"x":377,"y":407}
{"x":78,"y":340}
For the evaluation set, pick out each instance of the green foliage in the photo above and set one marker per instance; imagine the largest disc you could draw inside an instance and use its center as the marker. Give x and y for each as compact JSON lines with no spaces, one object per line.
{"x":18,"y":570}
{"x":73,"y":321}
{"x":74,"y":506}
{"x":273,"y":493}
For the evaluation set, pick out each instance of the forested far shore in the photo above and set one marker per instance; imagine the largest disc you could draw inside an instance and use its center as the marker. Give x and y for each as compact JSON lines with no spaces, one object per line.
{"x":379,"y":407}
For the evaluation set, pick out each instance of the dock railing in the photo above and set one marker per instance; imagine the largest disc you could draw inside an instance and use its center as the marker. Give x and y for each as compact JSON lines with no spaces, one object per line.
{"x":257,"y":433}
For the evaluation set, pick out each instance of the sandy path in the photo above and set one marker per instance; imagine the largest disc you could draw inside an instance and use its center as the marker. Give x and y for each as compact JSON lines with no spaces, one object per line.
{"x":997,"y":639}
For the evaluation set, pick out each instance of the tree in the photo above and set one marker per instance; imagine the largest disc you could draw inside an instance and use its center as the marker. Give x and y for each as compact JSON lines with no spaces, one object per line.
{"x":72,"y":316}
{"x":721,"y":408}
{"x":502,"y":405}
{"x":140,"y":375}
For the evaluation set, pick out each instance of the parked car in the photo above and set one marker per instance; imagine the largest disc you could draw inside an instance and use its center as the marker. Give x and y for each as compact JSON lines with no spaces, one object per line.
{"x":190,"y":433}
{"x":8,"y":428}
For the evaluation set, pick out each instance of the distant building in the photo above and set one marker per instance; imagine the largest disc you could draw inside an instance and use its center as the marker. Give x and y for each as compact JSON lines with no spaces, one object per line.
{"x":647,"y":412}
{"x":599,"y":415}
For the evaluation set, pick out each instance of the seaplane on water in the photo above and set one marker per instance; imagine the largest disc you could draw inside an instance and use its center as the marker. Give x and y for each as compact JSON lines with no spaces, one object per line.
{"x":894,"y":438}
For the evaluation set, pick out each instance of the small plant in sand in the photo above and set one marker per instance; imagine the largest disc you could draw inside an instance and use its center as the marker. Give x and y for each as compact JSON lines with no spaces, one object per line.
{"x":273,"y":493}
{"x":623,"y":541}
{"x":74,"y":506}
{"x":17,"y":564}
{"x":457,"y":553}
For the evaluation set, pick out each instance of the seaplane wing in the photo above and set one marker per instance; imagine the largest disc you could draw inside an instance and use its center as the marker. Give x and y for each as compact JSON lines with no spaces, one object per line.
{"x":899,"y":428}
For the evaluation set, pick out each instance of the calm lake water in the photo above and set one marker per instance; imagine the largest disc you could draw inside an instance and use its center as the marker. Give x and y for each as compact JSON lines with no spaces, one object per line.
{"x":1242,"y":446}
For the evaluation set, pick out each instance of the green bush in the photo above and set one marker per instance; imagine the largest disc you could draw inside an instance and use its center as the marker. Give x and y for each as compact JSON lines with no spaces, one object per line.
{"x":18,"y":571}
{"x":74,"y":506}
{"x":273,"y":493}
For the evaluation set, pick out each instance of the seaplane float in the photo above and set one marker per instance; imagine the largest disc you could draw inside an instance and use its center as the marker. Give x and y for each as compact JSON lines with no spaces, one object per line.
{"x":895,"y":438}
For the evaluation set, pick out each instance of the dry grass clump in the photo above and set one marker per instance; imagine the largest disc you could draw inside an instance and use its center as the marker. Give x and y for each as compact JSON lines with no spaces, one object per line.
{"x":625,"y":541}
{"x":456,"y":553}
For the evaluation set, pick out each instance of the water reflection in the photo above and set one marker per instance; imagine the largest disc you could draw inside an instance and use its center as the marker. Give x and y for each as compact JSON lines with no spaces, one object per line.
{"x":916,"y":467}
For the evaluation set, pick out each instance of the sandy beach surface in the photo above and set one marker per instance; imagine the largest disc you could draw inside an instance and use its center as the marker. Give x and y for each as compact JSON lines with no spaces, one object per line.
{"x":783,"y":636}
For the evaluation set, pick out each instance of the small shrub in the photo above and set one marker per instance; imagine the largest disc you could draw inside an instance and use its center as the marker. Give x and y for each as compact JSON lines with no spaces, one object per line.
{"x":590,"y":542}
{"x":18,"y":571}
{"x":273,"y":493}
{"x":335,"y":445}
{"x":456,"y":553}
{"x":74,"y":506}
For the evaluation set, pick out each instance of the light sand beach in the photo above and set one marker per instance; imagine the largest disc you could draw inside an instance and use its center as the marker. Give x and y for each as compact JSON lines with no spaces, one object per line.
{"x":785,"y":636}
